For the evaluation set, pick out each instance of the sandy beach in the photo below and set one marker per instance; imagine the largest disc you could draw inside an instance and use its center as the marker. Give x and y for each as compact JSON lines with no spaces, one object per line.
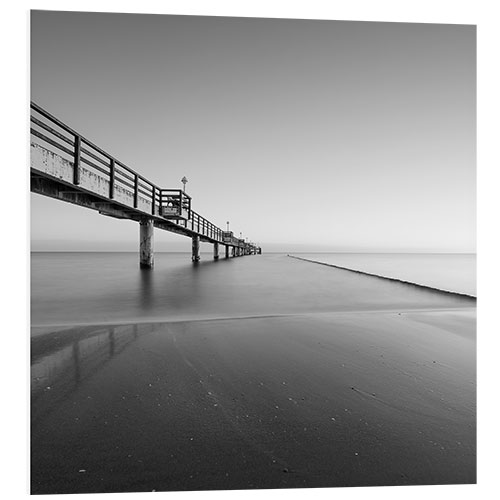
{"x":323,"y":399}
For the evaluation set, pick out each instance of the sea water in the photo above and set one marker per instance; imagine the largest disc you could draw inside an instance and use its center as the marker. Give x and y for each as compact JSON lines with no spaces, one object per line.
{"x":262,"y":371}
{"x":450,"y":272}
{"x":99,"y":288}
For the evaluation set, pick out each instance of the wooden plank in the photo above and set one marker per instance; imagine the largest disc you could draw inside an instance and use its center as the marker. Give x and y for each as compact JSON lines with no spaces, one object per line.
{"x":51,"y":130}
{"x":48,"y":140}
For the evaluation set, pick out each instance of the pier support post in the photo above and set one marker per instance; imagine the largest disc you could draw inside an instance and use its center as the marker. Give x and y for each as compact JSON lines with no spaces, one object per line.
{"x":227,"y":251}
{"x":216,"y":251}
{"x":146,"y":244}
{"x":196,"y":249}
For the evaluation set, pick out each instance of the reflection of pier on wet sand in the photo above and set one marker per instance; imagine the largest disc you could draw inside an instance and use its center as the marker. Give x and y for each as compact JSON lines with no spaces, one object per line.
{"x":61,"y":360}
{"x":308,"y":400}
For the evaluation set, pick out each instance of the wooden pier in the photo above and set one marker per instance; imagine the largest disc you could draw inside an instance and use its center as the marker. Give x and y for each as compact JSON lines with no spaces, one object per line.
{"x":68,"y":167}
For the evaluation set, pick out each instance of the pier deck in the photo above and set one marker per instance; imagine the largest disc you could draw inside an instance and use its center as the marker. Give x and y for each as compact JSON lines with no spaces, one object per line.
{"x":69,"y":167}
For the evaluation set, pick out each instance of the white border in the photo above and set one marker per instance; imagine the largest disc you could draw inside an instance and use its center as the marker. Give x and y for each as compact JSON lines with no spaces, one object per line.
{"x":15,"y":79}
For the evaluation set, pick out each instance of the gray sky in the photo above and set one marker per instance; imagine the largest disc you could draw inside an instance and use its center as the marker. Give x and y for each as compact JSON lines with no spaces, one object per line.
{"x":305,"y":135}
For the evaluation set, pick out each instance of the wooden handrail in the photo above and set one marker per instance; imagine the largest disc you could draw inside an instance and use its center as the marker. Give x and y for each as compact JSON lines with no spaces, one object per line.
{"x":110,"y":164}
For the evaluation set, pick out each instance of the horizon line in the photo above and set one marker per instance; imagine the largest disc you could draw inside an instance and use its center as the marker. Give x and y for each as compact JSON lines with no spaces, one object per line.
{"x":270,"y":251}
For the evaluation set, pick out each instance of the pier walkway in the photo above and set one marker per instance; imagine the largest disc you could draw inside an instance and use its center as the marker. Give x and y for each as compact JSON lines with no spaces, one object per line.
{"x":68,"y":167}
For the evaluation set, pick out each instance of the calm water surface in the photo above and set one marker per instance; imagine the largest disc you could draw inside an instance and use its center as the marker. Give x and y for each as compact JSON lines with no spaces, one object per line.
{"x":90,"y":288}
{"x":450,"y":272}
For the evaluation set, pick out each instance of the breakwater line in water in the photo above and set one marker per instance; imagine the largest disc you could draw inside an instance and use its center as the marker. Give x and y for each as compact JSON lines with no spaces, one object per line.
{"x":373,"y":275}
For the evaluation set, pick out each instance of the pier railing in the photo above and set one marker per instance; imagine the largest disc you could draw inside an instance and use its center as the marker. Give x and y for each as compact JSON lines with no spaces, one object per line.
{"x":114,"y":180}
{"x":175,"y":204}
{"x":78,"y":150}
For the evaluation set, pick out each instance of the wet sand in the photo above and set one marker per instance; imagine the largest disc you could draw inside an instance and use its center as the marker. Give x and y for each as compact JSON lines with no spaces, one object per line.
{"x":354,"y":398}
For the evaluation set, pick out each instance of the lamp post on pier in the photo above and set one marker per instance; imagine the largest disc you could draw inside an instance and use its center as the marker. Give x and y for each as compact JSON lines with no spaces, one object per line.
{"x":184,"y":182}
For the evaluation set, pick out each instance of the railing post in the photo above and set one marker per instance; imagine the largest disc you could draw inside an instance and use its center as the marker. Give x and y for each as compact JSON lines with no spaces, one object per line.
{"x":136,"y":190}
{"x":76,"y":160}
{"x":77,"y":145}
{"x":112,"y":179}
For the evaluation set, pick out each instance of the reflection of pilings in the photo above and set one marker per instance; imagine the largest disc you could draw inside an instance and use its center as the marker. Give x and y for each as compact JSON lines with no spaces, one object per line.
{"x":62,"y":360}
{"x":146,"y":287}
{"x":76,"y":360}
{"x":111,"y":336}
